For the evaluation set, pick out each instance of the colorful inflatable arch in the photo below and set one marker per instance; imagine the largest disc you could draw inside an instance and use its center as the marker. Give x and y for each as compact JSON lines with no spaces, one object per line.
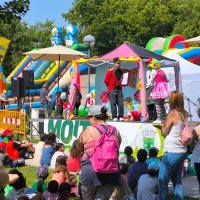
{"x":160,"y":45}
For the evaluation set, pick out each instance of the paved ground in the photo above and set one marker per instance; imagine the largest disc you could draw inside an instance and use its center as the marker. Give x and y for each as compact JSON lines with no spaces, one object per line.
{"x":190,"y":185}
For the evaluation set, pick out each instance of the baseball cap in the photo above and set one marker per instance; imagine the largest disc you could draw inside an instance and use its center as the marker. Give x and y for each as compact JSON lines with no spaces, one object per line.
{"x":7,"y":132}
{"x":154,"y":166}
{"x":42,"y":171}
{"x":95,"y":110}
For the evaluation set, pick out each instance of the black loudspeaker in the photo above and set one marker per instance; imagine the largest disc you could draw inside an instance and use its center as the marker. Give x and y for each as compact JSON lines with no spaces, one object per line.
{"x":18,"y":87}
{"x":41,"y":115}
{"x":28,"y":76}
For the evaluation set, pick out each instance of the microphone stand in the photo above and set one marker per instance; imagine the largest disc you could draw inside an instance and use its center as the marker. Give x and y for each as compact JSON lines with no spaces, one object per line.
{"x":189,"y":100}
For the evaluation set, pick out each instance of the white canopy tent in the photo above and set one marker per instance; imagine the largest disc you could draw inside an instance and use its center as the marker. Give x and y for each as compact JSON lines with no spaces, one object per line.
{"x":190,"y":76}
{"x":195,"y":40}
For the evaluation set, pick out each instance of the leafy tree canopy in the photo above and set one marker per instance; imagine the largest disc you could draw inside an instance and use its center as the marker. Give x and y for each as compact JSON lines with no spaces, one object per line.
{"x":23,"y":38}
{"x":113,"y":22}
{"x":13,"y":9}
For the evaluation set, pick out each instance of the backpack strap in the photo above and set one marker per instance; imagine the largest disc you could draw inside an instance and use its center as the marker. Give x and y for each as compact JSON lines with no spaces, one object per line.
{"x":103,"y":130}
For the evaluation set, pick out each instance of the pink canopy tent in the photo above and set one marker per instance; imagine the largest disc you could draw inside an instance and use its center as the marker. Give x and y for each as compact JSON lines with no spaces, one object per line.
{"x":130,"y":52}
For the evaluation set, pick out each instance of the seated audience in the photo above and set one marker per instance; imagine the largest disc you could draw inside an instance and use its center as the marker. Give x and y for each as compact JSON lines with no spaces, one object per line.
{"x":153,"y":153}
{"x":42,"y":174}
{"x":128,"y":158}
{"x":52,"y":189}
{"x":74,"y":160}
{"x":39,"y":147}
{"x":61,"y":173}
{"x":137,"y":169}
{"x":58,"y":151}
{"x":48,"y":149}
{"x":148,"y":183}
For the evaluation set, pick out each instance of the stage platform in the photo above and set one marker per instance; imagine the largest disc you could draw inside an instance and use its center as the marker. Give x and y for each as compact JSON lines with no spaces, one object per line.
{"x":135,"y":134}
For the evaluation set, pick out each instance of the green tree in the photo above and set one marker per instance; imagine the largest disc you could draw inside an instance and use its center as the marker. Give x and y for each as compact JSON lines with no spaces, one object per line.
{"x":113,"y":22}
{"x":14,"y":9}
{"x":23,"y":39}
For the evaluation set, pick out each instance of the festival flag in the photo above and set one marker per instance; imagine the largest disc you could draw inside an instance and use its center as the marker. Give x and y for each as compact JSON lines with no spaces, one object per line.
{"x":3,"y":47}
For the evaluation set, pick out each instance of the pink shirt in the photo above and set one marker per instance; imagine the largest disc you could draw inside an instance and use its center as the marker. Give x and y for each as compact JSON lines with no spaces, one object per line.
{"x":59,"y":177}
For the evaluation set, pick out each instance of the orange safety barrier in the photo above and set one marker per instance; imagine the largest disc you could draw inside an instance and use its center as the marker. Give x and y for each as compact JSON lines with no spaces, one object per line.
{"x":13,"y":120}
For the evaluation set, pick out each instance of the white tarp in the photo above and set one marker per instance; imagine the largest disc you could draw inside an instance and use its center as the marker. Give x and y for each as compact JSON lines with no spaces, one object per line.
{"x":190,"y":75}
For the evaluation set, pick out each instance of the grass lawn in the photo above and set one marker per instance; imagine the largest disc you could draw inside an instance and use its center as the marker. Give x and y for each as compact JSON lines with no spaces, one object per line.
{"x":29,"y":173}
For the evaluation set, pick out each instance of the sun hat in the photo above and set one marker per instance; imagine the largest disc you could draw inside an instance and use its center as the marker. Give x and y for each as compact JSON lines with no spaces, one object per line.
{"x":95,"y":110}
{"x":154,"y":166}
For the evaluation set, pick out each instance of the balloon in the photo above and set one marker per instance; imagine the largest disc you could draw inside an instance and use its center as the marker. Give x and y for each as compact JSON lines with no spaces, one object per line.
{"x":70,"y":38}
{"x":83,"y":112}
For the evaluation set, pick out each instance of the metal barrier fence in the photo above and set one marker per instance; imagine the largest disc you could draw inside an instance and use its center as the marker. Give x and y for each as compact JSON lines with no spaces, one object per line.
{"x":13,"y":120}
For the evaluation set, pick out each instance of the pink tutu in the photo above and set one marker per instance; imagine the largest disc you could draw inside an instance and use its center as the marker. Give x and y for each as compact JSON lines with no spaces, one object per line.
{"x":160,"y":91}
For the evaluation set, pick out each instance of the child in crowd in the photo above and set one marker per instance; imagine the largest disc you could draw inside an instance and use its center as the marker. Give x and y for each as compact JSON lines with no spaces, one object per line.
{"x":48,"y":149}
{"x":137,"y":169}
{"x":153,"y":153}
{"x":39,"y":147}
{"x":59,"y":151}
{"x":124,"y":170}
{"x":73,"y":162}
{"x":128,"y":158}
{"x":51,"y":193}
{"x":18,"y":151}
{"x":64,"y":191}
{"x":58,"y":104}
{"x":19,"y":186}
{"x":42,"y":174}
{"x":61,"y":173}
{"x":148,"y":183}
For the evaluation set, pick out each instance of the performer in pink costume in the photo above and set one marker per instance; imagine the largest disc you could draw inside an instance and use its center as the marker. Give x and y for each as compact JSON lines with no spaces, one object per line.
{"x":160,"y":89}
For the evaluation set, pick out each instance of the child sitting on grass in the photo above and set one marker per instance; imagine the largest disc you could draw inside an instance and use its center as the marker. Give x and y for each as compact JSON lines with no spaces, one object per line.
{"x":128,"y":158}
{"x":52,"y":190}
{"x":48,"y":149}
{"x":39,"y":147}
{"x":58,"y":151}
{"x":61,"y":173}
{"x":148,"y":183}
{"x":73,"y":162}
{"x":153,"y":153}
{"x":42,"y":174}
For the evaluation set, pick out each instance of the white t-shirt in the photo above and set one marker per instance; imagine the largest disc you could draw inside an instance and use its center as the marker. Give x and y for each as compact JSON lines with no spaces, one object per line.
{"x":147,"y":187}
{"x":38,"y":151}
{"x":54,"y":157}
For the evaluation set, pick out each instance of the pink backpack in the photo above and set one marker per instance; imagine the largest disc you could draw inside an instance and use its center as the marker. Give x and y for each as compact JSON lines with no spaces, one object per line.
{"x":106,"y":151}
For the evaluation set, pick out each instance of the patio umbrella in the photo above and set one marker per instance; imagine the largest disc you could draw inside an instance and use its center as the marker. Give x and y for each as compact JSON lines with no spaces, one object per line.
{"x":56,"y":53}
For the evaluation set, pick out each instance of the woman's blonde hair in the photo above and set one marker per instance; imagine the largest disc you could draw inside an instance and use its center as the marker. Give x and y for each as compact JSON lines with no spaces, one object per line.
{"x":61,"y":164}
{"x":176,"y":102}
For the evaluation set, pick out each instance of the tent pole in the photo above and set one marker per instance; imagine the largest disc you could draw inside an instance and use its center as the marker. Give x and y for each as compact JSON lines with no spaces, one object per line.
{"x":58,"y":72}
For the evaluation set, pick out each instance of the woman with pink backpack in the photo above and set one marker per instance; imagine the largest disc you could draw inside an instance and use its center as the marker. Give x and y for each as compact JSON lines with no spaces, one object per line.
{"x":100,"y":142}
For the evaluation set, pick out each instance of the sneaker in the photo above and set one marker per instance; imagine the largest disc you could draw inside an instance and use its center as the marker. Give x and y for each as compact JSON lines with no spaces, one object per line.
{"x":114,"y":119}
{"x":121,"y":119}
{"x":157,"y":121}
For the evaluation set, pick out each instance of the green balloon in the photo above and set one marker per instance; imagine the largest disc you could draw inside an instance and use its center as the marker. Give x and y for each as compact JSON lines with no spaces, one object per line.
{"x":83,"y":112}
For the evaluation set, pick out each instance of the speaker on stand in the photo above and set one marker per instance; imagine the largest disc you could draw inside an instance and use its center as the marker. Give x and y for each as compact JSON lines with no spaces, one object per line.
{"x":28,"y":76}
{"x":18,"y":89}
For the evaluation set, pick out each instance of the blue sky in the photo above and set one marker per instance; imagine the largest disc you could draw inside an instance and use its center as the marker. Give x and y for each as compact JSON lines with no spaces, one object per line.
{"x":40,"y":10}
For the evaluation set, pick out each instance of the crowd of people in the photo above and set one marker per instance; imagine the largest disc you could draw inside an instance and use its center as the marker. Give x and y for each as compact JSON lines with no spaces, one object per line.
{"x":94,"y":170}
